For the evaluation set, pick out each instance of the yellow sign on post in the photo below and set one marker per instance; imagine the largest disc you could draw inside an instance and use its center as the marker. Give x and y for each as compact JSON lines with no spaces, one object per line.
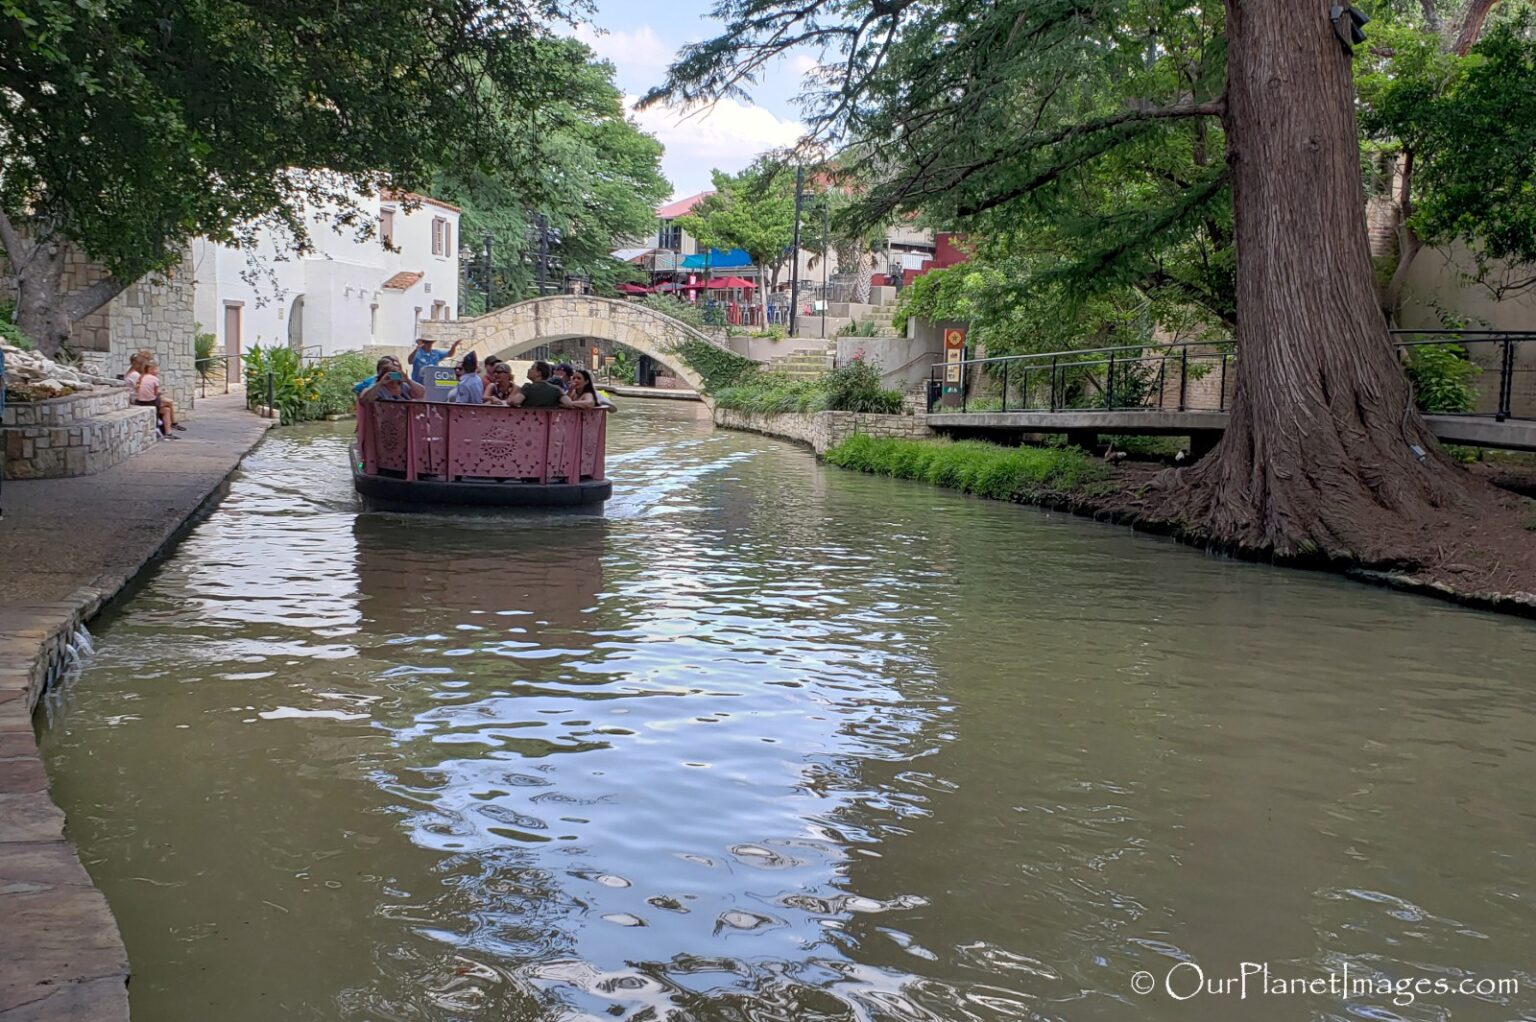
{"x":954,"y":371}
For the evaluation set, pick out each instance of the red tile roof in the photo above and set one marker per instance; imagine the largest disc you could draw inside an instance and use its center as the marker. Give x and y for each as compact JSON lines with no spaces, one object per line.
{"x":394,"y":196}
{"x":403,"y":281}
{"x":682,"y":207}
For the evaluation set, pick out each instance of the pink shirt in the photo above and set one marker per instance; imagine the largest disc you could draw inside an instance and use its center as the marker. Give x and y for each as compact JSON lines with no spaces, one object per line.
{"x":148,"y":388}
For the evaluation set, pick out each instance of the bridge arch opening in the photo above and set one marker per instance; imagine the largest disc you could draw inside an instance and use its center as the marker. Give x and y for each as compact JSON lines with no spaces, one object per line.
{"x":512,"y":331}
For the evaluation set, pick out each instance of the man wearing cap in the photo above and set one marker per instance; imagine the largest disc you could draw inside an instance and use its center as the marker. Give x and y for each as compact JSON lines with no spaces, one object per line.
{"x":425,"y":357}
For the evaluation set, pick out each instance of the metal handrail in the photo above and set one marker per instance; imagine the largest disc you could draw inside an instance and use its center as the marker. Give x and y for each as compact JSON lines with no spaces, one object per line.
{"x":198,"y":364}
{"x":1118,"y":361}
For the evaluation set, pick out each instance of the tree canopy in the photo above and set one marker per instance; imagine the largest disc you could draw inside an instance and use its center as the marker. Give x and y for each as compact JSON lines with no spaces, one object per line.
{"x":132,"y":125}
{"x":753,"y":210}
{"x":597,"y":182}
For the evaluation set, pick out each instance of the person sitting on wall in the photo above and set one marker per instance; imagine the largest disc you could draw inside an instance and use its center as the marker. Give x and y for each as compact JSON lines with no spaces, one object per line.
{"x":471,"y":388}
{"x":146,"y":391}
{"x":425,"y":357}
{"x":583,"y":393}
{"x":500,"y":389}
{"x":538,"y":392}
{"x":391,"y":384}
{"x":388,"y":363}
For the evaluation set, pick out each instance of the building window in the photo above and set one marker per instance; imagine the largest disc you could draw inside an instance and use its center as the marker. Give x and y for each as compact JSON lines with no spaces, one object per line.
{"x":671,"y":236}
{"x":440,"y":236}
{"x":387,"y":228}
{"x":373,"y":322}
{"x":439,"y":310}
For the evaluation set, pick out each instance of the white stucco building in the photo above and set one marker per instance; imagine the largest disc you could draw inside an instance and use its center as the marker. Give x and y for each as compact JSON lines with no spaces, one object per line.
{"x":345,"y":294}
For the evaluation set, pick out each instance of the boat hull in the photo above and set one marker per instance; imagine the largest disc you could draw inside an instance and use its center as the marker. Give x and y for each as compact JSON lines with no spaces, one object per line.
{"x":398,"y":494}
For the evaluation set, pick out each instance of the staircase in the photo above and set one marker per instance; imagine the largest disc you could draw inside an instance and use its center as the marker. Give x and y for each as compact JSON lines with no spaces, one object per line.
{"x":804,"y":365}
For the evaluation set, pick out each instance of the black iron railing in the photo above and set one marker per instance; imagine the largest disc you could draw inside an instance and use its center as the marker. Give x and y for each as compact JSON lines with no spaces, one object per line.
{"x":1462,"y":372}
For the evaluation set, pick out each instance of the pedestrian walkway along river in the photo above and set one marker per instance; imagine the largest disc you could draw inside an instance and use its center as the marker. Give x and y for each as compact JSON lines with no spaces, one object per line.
{"x":772,"y":741}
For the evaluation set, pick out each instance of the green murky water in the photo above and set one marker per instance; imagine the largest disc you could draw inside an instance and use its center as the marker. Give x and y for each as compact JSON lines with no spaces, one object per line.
{"x":770,"y":741}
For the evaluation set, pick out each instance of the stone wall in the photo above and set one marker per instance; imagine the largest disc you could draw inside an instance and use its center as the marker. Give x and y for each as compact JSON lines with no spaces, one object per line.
{"x":156,"y":313}
{"x":73,"y":436}
{"x":822,"y":431}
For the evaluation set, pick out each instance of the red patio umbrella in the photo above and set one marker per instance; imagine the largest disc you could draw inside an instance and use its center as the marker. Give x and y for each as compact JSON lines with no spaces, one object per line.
{"x":634,"y":289}
{"x":726,"y":283}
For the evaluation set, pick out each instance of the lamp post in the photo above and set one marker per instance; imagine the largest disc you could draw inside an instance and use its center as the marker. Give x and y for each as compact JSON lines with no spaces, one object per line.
{"x":465,"y":255}
{"x":794,"y":255}
{"x":826,"y":240}
{"x":488,"y":274}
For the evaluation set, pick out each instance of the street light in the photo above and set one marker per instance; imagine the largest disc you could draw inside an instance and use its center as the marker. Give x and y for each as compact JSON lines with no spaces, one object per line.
{"x":487,"y":241}
{"x":465,"y":255}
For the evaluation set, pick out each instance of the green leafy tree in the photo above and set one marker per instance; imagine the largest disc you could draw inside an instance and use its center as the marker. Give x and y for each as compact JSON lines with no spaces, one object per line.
{"x":1450,"y":113}
{"x":598,"y":183}
{"x":1036,"y":107}
{"x":131,"y":126}
{"x":753,"y":210}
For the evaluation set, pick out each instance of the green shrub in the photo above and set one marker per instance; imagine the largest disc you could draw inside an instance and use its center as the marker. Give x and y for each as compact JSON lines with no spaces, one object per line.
{"x":771,"y":394}
{"x":859,"y":328}
{"x":1442,"y":377}
{"x":10,"y":332}
{"x":685,"y":312}
{"x":972,"y":466}
{"x":718,"y":367}
{"x":855,"y":387}
{"x":302,"y":392}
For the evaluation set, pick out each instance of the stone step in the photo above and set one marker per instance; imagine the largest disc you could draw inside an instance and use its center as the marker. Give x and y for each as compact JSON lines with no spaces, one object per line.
{"x":82,"y":446}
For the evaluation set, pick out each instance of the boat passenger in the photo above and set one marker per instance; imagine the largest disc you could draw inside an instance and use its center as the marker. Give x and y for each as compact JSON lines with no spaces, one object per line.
{"x":562,"y":377}
{"x":471,"y":388}
{"x":146,"y":391}
{"x":392,"y":384}
{"x":500,"y":389}
{"x":388,"y":363}
{"x":538,"y":392}
{"x":425,"y":357}
{"x":583,"y":393}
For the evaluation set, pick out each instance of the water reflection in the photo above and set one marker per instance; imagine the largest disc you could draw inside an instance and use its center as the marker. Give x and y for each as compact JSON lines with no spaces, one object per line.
{"x":772,"y":742}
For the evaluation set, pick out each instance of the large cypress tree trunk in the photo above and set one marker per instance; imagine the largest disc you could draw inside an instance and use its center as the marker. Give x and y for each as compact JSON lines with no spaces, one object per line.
{"x":1318,"y":458}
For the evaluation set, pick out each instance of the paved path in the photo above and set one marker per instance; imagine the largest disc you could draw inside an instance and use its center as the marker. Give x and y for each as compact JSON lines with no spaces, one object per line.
{"x":66,"y":547}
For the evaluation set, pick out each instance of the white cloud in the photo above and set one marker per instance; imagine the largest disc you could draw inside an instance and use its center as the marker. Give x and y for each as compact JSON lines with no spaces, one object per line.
{"x":803,"y":64}
{"x":727,"y":136}
{"x":629,"y":51}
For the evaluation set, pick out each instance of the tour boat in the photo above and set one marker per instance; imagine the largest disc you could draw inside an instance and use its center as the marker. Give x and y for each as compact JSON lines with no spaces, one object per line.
{"x":414,"y":454}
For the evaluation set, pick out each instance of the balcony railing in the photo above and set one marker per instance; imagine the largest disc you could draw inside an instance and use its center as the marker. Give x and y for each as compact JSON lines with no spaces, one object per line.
{"x":448,"y":442}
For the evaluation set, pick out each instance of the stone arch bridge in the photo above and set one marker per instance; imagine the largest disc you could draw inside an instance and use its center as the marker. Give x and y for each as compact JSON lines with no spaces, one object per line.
{"x":512,"y":330}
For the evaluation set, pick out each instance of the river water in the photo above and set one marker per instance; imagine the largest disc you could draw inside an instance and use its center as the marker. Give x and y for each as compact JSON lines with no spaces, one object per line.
{"x":771,"y":741}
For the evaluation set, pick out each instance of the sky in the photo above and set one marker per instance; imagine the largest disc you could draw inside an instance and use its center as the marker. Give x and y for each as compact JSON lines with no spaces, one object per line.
{"x":640,"y":39}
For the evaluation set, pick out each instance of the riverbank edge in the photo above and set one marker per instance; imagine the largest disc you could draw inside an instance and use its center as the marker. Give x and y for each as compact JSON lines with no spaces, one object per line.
{"x":803,"y":429}
{"x":62,"y":956}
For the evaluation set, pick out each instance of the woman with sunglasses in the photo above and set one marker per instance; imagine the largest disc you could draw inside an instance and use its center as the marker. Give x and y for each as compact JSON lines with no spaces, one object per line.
{"x":499,"y":390}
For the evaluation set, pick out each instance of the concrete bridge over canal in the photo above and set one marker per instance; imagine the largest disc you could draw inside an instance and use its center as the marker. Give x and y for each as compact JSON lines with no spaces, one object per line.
{"x":512,"y":330}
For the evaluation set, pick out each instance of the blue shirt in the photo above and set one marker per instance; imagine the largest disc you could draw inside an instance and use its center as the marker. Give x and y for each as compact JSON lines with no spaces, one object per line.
{"x":358,"y":388}
{"x":425,"y":360}
{"x":470,"y":391}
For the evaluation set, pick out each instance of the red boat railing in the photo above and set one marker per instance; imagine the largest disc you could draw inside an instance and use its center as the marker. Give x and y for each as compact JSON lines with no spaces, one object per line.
{"x":416,"y":439}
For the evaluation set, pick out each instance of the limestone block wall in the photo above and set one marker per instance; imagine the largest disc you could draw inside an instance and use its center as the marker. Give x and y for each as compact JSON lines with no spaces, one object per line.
{"x":822,"y":431}
{"x":156,"y":313}
{"x":77,"y":435}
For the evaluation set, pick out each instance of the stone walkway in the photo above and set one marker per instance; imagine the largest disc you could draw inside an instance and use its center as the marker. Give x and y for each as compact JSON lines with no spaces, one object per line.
{"x":67,"y":546}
